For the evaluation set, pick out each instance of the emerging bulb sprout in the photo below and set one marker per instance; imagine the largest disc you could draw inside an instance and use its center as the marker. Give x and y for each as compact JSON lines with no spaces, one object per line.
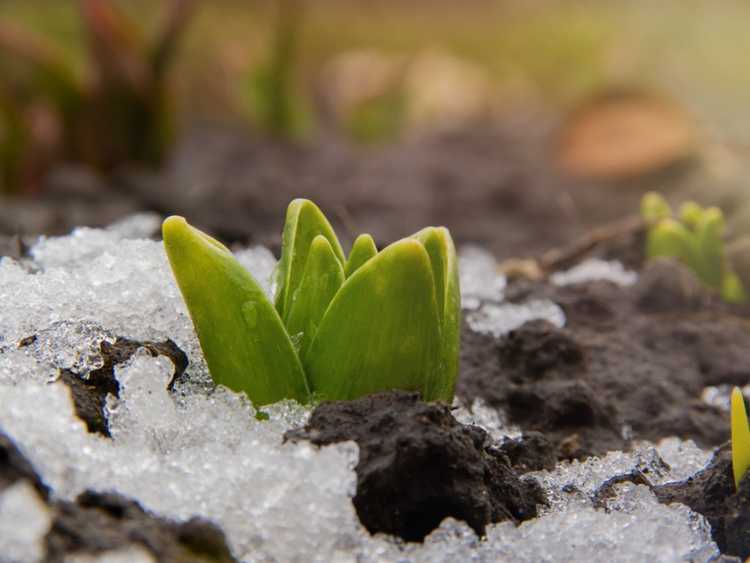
{"x":340,"y":327}
{"x":695,"y":237}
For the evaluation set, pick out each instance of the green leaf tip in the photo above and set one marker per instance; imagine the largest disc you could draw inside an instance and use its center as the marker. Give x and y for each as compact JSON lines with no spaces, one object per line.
{"x":230,"y":311}
{"x":740,"y":437}
{"x":691,"y":214}
{"x":654,"y":208}
{"x":321,"y":280}
{"x":304,"y":221}
{"x":339,"y":329}
{"x":362,"y":250}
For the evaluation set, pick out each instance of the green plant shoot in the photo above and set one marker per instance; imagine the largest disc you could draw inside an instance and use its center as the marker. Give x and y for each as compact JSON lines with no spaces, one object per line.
{"x":696,"y":239}
{"x":340,"y":327}
{"x":740,"y":437}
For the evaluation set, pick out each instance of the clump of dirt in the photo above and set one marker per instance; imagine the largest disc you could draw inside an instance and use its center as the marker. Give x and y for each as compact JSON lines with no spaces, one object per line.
{"x":100,"y":522}
{"x":712,"y":493}
{"x":14,"y":466}
{"x":418,"y":465}
{"x":629,"y":363}
{"x":664,"y":288}
{"x":90,"y":393}
{"x":531,"y":452}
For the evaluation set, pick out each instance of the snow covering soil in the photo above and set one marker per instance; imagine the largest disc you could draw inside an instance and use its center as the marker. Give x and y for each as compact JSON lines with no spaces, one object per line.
{"x":200,"y":450}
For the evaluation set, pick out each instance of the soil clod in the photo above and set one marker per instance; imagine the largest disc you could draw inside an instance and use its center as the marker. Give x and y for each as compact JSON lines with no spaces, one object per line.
{"x":531,"y":452}
{"x":418,"y":465}
{"x":14,"y":466}
{"x":100,"y":522}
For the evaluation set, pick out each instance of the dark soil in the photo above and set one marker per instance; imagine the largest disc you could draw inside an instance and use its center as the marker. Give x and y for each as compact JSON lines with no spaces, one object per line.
{"x":99,"y":522}
{"x":630,"y":363}
{"x":418,"y":465}
{"x":494,"y":185}
{"x":14,"y":466}
{"x":90,"y":393}
{"x":531,"y":452}
{"x":711,"y":492}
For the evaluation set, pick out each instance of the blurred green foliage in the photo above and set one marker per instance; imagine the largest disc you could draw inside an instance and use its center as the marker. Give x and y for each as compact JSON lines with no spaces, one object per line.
{"x":547,"y":51}
{"x":695,"y":237}
{"x":114,"y":110}
{"x":378,"y":119}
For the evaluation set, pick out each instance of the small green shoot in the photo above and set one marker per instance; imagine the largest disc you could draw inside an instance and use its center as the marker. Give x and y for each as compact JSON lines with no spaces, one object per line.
{"x":696,"y":239}
{"x":340,"y":329}
{"x":740,"y":437}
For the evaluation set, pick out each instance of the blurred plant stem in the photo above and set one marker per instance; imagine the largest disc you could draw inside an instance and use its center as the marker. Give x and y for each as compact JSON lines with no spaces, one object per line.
{"x":275,"y":104}
{"x":12,"y":141}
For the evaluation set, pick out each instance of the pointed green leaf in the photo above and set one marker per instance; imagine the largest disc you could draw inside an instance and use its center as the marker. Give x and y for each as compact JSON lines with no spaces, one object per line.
{"x":439,"y":245}
{"x":740,"y":437}
{"x":362,"y":250}
{"x":321,"y":280}
{"x":654,"y":208}
{"x":304,"y":221}
{"x":691,"y":214}
{"x":381,"y":331}
{"x":242,"y":337}
{"x":669,"y":238}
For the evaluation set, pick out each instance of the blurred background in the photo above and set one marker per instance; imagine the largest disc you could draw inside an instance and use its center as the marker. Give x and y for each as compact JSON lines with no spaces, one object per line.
{"x":519,"y":125}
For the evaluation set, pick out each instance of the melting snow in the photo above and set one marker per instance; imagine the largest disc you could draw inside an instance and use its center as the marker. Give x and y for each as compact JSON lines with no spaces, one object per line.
{"x":201,"y":451}
{"x":595,"y":269}
{"x":479,"y":278}
{"x":501,"y":319}
{"x":20,"y":503}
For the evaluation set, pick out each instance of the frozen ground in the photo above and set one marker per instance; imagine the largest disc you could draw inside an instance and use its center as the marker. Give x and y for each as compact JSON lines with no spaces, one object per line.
{"x":200,"y":451}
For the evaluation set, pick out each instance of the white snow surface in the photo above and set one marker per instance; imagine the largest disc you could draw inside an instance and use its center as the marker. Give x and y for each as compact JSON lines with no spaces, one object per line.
{"x":593,"y":269}
{"x":21,"y":503}
{"x":201,"y":451}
